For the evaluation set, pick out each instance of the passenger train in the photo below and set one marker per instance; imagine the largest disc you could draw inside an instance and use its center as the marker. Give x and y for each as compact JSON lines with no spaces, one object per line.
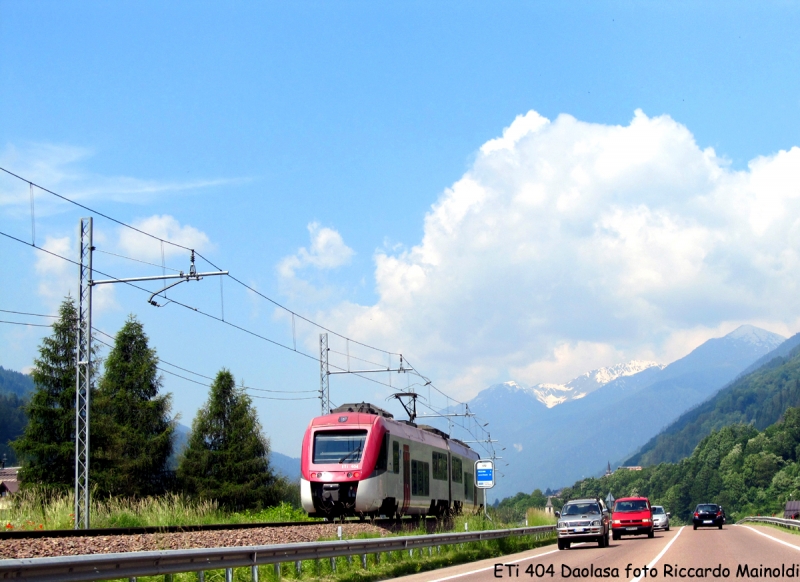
{"x":359,"y":461}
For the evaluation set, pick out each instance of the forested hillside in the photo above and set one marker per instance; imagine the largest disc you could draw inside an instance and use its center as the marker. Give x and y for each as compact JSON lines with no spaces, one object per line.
{"x":746,"y":471}
{"x":14,"y":387}
{"x":12,"y":423}
{"x":15,"y":383}
{"x":758,"y":398}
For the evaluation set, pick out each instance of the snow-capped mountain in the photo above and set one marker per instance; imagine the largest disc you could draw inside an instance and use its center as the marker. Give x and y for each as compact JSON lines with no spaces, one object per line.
{"x":554,"y":394}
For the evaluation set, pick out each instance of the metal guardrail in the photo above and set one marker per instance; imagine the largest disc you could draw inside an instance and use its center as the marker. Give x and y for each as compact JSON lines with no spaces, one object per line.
{"x":790,"y":523}
{"x":133,"y":564}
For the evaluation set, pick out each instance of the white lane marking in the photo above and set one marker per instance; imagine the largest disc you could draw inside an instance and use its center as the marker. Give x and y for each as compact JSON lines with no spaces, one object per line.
{"x":492,"y":567}
{"x":770,"y":537}
{"x":661,"y":553}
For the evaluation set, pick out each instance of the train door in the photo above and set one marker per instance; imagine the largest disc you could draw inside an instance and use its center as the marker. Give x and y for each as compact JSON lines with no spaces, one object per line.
{"x":406,"y":478}
{"x":449,"y":482}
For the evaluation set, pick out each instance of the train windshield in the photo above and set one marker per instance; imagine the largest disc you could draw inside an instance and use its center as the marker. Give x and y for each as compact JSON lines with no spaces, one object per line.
{"x":338,"y":446}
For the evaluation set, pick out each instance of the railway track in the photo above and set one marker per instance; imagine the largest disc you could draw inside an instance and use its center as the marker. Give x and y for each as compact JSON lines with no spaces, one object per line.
{"x":127,"y":531}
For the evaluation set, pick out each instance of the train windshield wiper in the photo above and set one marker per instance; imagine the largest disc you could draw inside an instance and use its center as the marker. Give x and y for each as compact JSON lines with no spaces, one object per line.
{"x":348,"y":455}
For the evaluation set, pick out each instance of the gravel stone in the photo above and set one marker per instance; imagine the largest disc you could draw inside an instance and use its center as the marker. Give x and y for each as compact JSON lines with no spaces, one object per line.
{"x":47,"y":547}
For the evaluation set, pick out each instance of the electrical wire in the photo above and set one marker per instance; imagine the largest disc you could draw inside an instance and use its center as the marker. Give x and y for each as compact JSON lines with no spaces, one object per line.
{"x":28,"y":324}
{"x":246,"y":286}
{"x":137,"y":260}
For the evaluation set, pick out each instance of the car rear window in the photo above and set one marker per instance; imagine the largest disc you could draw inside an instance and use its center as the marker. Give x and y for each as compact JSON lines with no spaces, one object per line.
{"x":707,"y":507}
{"x":658,"y":510}
{"x":580,"y":508}
{"x":633,"y":505}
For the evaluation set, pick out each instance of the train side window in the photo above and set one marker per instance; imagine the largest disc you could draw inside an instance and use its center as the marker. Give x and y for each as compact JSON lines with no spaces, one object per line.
{"x":395,"y":457}
{"x":420,"y":478}
{"x":439,"y":466}
{"x":469,"y":487}
{"x":455,"y":470}
{"x":383,"y":455}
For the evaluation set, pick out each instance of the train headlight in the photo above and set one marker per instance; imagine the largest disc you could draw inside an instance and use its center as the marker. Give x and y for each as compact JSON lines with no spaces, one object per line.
{"x":349,"y":474}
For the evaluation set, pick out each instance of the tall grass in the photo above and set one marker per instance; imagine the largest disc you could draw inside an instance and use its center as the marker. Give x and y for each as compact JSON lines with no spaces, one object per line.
{"x":536,"y":516}
{"x":40,"y":508}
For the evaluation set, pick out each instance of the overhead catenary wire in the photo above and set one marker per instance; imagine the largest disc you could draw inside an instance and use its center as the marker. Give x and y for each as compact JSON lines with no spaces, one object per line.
{"x":163,"y":241}
{"x":160,"y":369}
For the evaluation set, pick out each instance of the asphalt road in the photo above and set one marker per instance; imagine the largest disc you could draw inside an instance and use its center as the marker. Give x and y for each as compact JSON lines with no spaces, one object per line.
{"x":735,"y":552}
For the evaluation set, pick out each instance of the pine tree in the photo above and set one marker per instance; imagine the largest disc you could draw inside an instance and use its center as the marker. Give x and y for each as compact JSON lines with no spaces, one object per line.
{"x":133,"y":419}
{"x":227,"y":456}
{"x":47,"y":447}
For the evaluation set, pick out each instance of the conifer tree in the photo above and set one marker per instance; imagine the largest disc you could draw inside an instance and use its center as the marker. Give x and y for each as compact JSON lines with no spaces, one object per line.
{"x":133,"y":419}
{"x":227,"y":456}
{"x":47,"y":446}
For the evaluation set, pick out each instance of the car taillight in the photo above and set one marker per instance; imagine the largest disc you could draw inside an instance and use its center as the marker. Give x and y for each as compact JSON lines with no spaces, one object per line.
{"x":696,"y":514}
{"x":719,"y":513}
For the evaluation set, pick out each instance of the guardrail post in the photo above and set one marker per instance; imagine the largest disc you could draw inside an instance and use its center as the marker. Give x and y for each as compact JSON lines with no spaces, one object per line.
{"x":278,"y":570}
{"x":167,"y":577}
{"x":228,"y":574}
{"x":333,"y":565}
{"x":378,"y":558}
{"x":364,"y":561}
{"x":254,"y":573}
{"x":298,"y":567}
{"x":201,"y":576}
{"x":132,"y":579}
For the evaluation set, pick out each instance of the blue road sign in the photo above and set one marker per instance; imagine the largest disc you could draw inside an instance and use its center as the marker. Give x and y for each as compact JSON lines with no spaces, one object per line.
{"x":484,"y":474}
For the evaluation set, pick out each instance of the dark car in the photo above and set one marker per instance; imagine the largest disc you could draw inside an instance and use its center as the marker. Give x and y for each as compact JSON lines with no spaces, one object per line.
{"x":708,"y":515}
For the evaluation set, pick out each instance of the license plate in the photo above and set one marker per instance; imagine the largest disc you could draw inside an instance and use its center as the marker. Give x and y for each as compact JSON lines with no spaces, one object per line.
{"x":708,"y":521}
{"x":630,"y":528}
{"x":579,"y":529}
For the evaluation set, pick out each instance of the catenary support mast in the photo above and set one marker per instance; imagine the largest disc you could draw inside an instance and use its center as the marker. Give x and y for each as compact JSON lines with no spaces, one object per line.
{"x":83,"y":363}
{"x":83,"y":376}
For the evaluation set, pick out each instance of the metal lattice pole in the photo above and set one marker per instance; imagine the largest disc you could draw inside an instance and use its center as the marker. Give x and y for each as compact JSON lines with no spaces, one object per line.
{"x":84,"y":377}
{"x":324,"y":375}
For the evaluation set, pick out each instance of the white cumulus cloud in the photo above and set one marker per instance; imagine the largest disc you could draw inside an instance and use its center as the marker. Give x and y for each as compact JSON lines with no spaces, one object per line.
{"x":166,"y":227}
{"x":327,"y":251}
{"x":569,"y":245}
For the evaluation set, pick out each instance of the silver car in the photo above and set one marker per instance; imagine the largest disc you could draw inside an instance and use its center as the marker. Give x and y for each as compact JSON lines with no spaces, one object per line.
{"x":660,"y":518}
{"x":582,"y":520}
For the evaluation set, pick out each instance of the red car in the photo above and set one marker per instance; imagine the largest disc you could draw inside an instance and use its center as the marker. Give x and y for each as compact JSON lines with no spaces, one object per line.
{"x":632,"y":516}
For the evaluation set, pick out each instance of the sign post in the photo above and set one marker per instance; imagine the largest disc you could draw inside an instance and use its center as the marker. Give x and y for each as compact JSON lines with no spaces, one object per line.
{"x":484,"y":478}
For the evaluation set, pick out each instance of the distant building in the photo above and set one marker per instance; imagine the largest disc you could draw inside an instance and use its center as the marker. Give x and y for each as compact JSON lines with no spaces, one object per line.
{"x":608,"y":469}
{"x":632,"y":468}
{"x":792,"y":510}
{"x":548,"y":508}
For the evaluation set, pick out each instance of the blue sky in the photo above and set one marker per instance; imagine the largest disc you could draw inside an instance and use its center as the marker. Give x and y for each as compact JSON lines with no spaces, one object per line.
{"x":333,"y":155}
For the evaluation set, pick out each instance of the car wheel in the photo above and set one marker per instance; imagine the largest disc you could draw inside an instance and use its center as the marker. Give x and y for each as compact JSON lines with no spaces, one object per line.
{"x":694,"y":526}
{"x":601,"y":542}
{"x":667,"y":528}
{"x":615,"y":536}
{"x":720,"y":526}
{"x":560,"y":544}
{"x":651,"y":534}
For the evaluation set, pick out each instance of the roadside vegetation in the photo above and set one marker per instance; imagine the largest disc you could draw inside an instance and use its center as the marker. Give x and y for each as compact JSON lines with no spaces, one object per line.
{"x":40,"y":508}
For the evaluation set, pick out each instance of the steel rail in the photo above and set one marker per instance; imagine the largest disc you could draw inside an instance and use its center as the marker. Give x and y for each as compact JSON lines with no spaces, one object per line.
{"x":155,"y":529}
{"x":135,"y":564}
{"x":789,"y":523}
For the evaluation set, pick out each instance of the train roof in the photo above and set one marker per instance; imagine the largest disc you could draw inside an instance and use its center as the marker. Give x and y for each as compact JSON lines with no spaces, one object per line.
{"x":364,"y":408}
